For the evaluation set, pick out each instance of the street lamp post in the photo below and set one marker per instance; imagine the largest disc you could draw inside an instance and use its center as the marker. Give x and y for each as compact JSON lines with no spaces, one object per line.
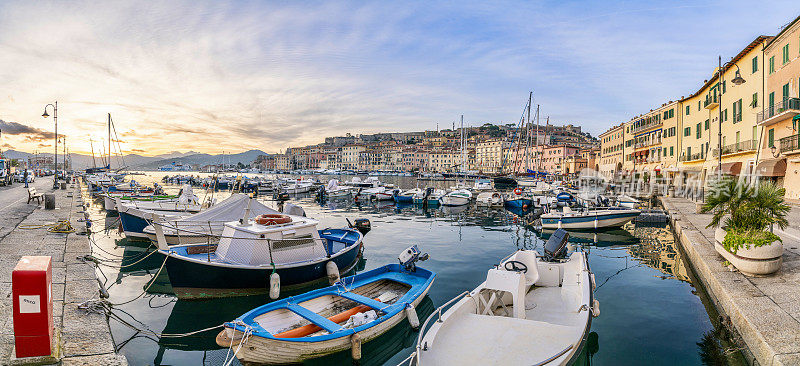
{"x":737,"y":80}
{"x":55,"y":156}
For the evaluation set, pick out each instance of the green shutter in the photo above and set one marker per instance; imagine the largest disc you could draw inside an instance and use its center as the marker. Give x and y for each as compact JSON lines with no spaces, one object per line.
{"x":671,"y":150}
{"x":698,"y":131}
{"x":785,"y":92}
{"x":754,"y":103}
{"x":687,"y":110}
{"x":771,"y":64}
{"x":771,"y":99}
{"x":771,"y":137}
{"x":755,"y":64}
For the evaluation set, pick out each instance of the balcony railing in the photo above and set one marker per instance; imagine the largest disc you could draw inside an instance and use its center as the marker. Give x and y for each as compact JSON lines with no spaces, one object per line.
{"x":692,"y":157}
{"x":738,"y":147}
{"x":712,"y":101}
{"x":790,"y":144}
{"x":647,"y":143}
{"x":788,"y":104}
{"x":647,"y":126}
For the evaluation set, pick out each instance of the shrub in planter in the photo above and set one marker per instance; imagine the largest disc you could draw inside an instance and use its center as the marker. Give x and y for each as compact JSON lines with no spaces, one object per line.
{"x":745,"y":213}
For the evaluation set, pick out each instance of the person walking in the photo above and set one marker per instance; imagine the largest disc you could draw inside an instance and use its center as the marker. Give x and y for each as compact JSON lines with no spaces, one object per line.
{"x":25,"y":177}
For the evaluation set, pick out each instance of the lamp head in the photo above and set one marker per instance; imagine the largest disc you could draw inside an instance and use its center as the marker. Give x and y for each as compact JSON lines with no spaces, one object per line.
{"x":772,"y":149}
{"x":45,"y":115}
{"x":738,"y":79}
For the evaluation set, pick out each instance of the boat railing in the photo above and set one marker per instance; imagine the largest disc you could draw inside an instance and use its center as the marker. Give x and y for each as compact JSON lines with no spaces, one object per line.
{"x":412,"y":360}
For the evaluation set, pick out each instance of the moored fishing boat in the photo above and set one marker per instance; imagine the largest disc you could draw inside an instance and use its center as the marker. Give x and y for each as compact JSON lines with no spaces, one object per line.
{"x":531,"y":310}
{"x":489,"y":199}
{"x":587,"y":219}
{"x":250,"y":251}
{"x":354,"y":310}
{"x":407,"y":196}
{"x":457,"y":197}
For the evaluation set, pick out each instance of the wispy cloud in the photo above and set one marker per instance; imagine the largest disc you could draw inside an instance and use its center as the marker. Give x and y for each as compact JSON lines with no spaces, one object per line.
{"x":213,"y":76}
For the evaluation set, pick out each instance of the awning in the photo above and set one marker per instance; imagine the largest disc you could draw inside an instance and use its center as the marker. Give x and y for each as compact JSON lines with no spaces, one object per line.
{"x":672,"y":169}
{"x":771,"y":168}
{"x":796,"y":118}
{"x":657,"y":168}
{"x":730,"y":168}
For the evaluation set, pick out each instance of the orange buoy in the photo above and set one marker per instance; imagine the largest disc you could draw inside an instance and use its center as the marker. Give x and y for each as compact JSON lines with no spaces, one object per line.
{"x":273,"y":219}
{"x":517,"y":191}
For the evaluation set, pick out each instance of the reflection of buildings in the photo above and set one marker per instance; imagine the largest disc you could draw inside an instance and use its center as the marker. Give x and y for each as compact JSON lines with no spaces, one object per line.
{"x":657,"y":249}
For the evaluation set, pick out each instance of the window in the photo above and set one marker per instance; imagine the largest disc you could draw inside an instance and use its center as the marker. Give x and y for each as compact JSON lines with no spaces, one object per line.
{"x":771,"y":99}
{"x":771,"y":64}
{"x":672,"y":113}
{"x":725,"y":115}
{"x":688,"y":153}
{"x":672,"y":151}
{"x":698,"y":105}
{"x":785,"y":92}
{"x":687,"y":110}
{"x":786,"y":54}
{"x":698,"y":134}
{"x":737,"y":137}
{"x":754,"y":103}
{"x":755,"y":64}
{"x":771,"y":137}
{"x":737,"y":111}
{"x":724,"y":83}
{"x":706,"y":124}
{"x":687,"y":131}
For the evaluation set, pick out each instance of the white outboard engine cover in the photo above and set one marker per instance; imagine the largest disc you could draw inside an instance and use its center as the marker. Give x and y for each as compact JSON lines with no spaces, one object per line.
{"x":187,"y":195}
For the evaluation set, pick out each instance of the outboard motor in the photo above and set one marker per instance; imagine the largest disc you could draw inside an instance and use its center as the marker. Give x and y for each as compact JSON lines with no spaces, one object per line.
{"x":362,"y":225}
{"x":409,"y":257}
{"x":556,"y":246}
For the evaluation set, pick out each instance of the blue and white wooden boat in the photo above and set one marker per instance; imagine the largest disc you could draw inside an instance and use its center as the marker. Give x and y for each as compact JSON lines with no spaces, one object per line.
{"x":587,"y":219}
{"x":248,"y":252}
{"x":406,"y":196}
{"x":381,"y":298}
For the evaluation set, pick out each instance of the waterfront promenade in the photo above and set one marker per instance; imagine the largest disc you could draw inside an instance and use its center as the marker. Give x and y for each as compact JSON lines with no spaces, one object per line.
{"x":82,"y":338}
{"x":764,"y":310}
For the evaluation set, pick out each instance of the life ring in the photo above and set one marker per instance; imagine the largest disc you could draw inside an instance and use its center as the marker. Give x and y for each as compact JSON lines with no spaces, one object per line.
{"x":273,"y":219}
{"x":518,"y":191}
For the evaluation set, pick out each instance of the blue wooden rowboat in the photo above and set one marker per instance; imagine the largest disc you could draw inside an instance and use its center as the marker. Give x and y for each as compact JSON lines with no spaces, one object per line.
{"x":397,"y":289}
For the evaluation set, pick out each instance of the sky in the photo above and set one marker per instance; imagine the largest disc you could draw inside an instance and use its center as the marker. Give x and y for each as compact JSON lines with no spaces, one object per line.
{"x":229,"y":76}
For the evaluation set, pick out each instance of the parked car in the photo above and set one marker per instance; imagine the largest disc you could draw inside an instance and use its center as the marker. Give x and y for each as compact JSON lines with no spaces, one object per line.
{"x":20,"y":177}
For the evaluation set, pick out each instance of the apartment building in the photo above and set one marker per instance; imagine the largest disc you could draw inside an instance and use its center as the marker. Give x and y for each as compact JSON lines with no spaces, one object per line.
{"x":489,"y":155}
{"x":779,"y":119}
{"x":612,"y":150}
{"x":350,"y":155}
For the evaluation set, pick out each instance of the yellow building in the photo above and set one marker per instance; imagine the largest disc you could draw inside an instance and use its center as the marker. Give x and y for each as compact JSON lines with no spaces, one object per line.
{"x":612,"y":144}
{"x":778,"y":156}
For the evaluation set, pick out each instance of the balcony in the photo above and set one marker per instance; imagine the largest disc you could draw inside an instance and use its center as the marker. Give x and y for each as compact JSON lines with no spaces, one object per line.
{"x":783,"y":110}
{"x":712,"y":101}
{"x":646,"y":126}
{"x":790,"y":145}
{"x":692,"y":157}
{"x":743,"y":146}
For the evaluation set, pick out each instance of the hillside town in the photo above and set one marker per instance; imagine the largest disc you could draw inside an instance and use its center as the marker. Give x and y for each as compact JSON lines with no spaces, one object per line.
{"x":488,"y":149}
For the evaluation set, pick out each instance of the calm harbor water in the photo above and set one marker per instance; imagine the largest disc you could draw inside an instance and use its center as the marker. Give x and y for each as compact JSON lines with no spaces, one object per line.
{"x":651,"y":312}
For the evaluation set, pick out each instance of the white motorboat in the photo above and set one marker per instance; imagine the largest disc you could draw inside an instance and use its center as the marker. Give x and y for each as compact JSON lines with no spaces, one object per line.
{"x":333,"y":190}
{"x":434,"y":196}
{"x":531,"y":310}
{"x":457,"y":197}
{"x":298,"y":187}
{"x":490,"y":199}
{"x":587,"y":219}
{"x":627,"y":201}
{"x":483,"y":185}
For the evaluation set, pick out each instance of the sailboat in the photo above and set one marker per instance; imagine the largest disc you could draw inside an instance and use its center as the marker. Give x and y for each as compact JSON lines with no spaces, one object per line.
{"x":459,"y":196}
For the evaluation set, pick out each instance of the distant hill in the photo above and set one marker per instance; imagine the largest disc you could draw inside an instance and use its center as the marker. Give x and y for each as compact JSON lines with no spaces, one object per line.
{"x":246,"y":157}
{"x":135,"y":161}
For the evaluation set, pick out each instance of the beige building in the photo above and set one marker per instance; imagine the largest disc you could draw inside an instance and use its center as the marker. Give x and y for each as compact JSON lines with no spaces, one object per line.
{"x":612,"y":146}
{"x":778,"y":157}
{"x":489,"y":155}
{"x":349,"y":156}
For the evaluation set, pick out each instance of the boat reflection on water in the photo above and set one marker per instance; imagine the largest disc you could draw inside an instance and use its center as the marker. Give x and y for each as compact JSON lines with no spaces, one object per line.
{"x":600,"y":238}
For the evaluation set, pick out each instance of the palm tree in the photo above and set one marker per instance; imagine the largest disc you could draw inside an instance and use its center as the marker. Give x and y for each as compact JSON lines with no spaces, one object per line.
{"x":747,"y":210}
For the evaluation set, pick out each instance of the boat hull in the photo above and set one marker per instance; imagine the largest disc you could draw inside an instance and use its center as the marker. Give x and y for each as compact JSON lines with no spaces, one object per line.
{"x":190,"y":279}
{"x":263,"y":350}
{"x":132,"y":225}
{"x":519,"y":203}
{"x":588,"y":222}
{"x":454,"y":200}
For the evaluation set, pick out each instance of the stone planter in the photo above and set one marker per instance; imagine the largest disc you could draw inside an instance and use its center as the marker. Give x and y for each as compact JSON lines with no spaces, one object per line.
{"x":759,"y":261}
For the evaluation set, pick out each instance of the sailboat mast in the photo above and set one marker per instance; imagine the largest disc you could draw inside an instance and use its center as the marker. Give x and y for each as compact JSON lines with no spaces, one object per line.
{"x":109,"y":141}
{"x":91,"y":146}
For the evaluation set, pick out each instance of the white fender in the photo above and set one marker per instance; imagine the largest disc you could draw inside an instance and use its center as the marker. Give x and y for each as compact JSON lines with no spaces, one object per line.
{"x":274,"y":285}
{"x":413,"y":319}
{"x":333,"y":272}
{"x":596,"y":308}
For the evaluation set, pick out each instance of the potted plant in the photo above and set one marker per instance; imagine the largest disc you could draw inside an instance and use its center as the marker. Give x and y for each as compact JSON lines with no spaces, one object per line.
{"x":743,"y":216}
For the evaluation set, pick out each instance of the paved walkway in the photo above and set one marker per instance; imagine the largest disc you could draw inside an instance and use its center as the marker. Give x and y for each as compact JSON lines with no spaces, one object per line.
{"x":82,"y":338}
{"x":764,"y":310}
